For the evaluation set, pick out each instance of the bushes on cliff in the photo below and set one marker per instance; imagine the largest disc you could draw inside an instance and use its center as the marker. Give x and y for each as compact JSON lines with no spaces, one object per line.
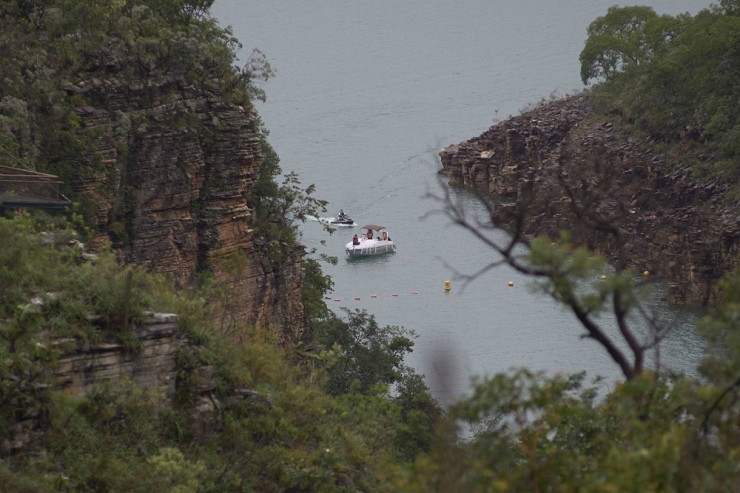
{"x":676,"y":78}
{"x":50,"y":292}
{"x":45,"y":271}
{"x":279,"y":207}
{"x":58,"y":52}
{"x":279,"y":430}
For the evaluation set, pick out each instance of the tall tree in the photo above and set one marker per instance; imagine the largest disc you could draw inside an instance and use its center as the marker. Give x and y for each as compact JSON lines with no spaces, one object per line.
{"x":625,"y":37}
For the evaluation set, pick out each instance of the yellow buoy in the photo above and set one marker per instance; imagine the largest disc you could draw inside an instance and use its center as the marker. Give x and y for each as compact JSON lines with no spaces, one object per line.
{"x":603,"y":276}
{"x":447,"y":285}
{"x":646,"y":273}
{"x":511,"y":283}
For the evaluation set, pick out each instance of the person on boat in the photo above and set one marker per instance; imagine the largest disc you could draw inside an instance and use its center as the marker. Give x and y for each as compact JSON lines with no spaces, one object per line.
{"x":355,"y":240}
{"x":341,"y":214}
{"x":369,"y":234}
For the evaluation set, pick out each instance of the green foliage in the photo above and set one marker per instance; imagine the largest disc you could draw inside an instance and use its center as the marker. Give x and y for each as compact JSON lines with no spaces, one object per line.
{"x":420,"y":414}
{"x":722,"y":332}
{"x":367,"y":361}
{"x":111,"y":441}
{"x":675,"y":78}
{"x":533,"y":432}
{"x":373,"y":425}
{"x":315,"y":286}
{"x":279,"y":206}
{"x":623,"y":38}
{"x":731,"y":7}
{"x":49,"y":292}
{"x":55,"y":50}
{"x":173,"y":472}
{"x":279,"y":431}
{"x":17,"y":482}
{"x":368,"y":353}
{"x":538,"y":433}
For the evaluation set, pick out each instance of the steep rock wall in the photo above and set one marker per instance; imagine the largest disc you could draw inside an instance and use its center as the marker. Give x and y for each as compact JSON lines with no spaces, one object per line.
{"x":171,"y":190}
{"x":557,"y":160}
{"x":82,"y":367}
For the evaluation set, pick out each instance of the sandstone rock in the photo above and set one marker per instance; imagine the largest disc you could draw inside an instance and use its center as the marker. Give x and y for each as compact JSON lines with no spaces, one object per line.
{"x":180,"y":163}
{"x":81,"y":367}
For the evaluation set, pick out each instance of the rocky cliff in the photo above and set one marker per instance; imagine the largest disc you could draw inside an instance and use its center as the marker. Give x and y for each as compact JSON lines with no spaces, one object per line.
{"x":561,"y":167}
{"x":83,"y":367}
{"x":174,"y":168}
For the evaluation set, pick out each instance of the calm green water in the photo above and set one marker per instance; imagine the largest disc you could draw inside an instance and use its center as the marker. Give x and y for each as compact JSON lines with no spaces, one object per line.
{"x":365,"y":96}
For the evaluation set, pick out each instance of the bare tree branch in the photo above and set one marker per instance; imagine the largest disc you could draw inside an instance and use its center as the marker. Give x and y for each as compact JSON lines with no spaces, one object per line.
{"x":592,"y":207}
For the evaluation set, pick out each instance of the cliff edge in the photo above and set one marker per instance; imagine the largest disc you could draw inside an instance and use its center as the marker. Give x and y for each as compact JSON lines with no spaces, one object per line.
{"x":176,"y":164}
{"x":558,"y":161}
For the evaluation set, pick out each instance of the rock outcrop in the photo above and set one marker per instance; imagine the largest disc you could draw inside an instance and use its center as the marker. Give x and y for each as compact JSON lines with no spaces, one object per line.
{"x":176,"y":163}
{"x":560,"y":167}
{"x":81,"y":367}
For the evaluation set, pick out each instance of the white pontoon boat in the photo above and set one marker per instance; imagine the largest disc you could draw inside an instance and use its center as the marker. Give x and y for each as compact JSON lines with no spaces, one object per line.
{"x":372,"y":240}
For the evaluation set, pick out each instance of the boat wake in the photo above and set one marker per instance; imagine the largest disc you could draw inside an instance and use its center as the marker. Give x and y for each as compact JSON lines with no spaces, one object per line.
{"x":333,"y":221}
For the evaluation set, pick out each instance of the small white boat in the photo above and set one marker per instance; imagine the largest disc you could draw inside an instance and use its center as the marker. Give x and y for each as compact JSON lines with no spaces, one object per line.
{"x":372,"y":240}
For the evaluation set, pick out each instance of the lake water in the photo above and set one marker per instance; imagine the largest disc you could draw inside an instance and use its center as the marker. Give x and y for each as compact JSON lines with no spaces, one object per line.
{"x":365,"y":96}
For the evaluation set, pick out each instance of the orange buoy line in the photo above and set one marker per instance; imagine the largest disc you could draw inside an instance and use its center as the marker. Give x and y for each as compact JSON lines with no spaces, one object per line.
{"x":357,"y":298}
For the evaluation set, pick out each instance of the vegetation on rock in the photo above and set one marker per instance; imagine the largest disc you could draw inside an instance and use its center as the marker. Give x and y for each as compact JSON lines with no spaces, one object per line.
{"x":675,"y":78}
{"x":279,"y":430}
{"x":351,"y":416}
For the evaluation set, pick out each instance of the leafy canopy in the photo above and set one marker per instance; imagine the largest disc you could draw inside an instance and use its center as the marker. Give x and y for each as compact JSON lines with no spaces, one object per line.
{"x":676,"y":78}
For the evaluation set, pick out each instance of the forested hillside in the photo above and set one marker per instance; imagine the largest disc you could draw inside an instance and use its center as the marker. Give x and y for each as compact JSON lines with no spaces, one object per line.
{"x":142,"y":112}
{"x":241,"y":408}
{"x":266,"y":424}
{"x":674,"y":78}
{"x":140,"y":109}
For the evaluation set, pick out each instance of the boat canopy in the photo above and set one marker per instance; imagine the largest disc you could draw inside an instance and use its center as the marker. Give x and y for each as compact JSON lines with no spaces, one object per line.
{"x":373,"y":226}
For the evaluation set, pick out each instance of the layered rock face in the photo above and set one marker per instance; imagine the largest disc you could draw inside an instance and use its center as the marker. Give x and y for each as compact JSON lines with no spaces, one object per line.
{"x":559,"y":167}
{"x":173,"y":168}
{"x":82,"y":367}
{"x":178,"y":163}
